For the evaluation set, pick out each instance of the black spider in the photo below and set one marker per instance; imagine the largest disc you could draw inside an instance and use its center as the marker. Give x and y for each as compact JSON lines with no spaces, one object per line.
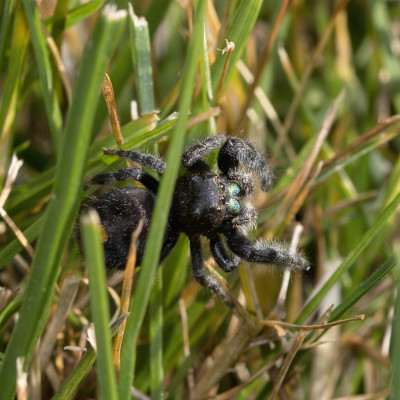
{"x":204,"y":204}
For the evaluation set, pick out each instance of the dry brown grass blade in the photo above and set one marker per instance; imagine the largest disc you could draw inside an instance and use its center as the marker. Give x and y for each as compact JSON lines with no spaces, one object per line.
{"x":337,"y":158}
{"x":227,"y":355}
{"x":342,"y":205}
{"x":296,"y":186}
{"x":67,"y":297}
{"x":378,"y":128}
{"x":59,"y":64}
{"x":383,"y":394}
{"x":186,"y":345}
{"x":298,"y":341}
{"x":279,"y":308}
{"x":266,"y":53}
{"x":108,"y":94}
{"x":288,"y":325}
{"x":10,"y":179}
{"x":204,"y":116}
{"x":302,"y":196}
{"x":126,"y":294}
{"x":229,"y":394}
{"x":230,"y":47}
{"x":305,"y":78}
{"x":22,"y":380}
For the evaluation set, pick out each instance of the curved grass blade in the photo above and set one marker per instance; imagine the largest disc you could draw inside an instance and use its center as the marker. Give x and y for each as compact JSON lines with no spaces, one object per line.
{"x":94,"y":256}
{"x":63,"y":206}
{"x":160,"y":214}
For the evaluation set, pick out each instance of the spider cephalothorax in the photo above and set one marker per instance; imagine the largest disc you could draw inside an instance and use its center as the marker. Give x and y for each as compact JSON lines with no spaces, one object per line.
{"x":204,"y":204}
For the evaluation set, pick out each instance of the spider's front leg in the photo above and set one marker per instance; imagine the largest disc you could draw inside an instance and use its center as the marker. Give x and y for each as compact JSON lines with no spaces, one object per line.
{"x":236,"y":151}
{"x":146,"y":160}
{"x":136,"y":174}
{"x":206,"y":278}
{"x":270,"y":253}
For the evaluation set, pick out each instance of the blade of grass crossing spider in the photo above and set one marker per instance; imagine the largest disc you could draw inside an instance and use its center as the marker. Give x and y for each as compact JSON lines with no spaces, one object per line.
{"x":62,"y":208}
{"x":40,"y":49}
{"x":94,"y":256}
{"x":160,"y":214}
{"x":20,"y":36}
{"x":242,"y":23}
{"x":364,"y":288}
{"x":350,"y":259}
{"x":156,"y":340}
{"x":141,"y":57}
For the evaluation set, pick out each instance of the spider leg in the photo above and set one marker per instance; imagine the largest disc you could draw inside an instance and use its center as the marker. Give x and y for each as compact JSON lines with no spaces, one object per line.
{"x":146,"y":160}
{"x":206,"y":278}
{"x":123,"y":174}
{"x":270,"y":253}
{"x":236,"y":151}
{"x":226,"y":263}
{"x":191,"y":157}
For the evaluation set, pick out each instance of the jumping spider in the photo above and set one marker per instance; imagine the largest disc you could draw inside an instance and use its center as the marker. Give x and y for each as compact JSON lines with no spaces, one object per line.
{"x":204,"y":204}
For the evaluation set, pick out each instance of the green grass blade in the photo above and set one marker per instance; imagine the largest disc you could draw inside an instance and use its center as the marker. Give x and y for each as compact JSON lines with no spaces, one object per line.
{"x":77,"y":14}
{"x":94,"y":256}
{"x":160,"y":214}
{"x":141,"y":57}
{"x":61,"y":211}
{"x":395,"y":345}
{"x":6,"y":21}
{"x":11,"y":88}
{"x":156,"y":340}
{"x":42,"y":56}
{"x":312,"y":304}
{"x":74,"y":379}
{"x":239,"y":29}
{"x":364,"y":288}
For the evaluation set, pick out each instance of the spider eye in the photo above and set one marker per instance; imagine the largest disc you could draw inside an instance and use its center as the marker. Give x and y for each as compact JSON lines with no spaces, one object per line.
{"x":233,"y":189}
{"x":234,"y":206}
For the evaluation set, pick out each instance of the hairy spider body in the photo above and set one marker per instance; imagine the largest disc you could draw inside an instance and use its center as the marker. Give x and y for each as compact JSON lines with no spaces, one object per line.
{"x":204,"y":204}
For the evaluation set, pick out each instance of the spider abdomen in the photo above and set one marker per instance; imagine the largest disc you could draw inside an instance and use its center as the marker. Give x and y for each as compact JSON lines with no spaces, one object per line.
{"x":120,"y":211}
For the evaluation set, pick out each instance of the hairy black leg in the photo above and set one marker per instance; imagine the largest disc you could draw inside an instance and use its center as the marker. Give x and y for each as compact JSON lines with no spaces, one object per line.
{"x":172,"y":238}
{"x":236,"y":151}
{"x":206,"y":278}
{"x":226,"y":263}
{"x":122,"y":175}
{"x":269,"y":253}
{"x":191,"y":157}
{"x":147,"y":160}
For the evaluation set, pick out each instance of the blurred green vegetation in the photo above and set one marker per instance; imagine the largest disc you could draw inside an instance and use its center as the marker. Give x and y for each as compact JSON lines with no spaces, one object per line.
{"x":315,"y":85}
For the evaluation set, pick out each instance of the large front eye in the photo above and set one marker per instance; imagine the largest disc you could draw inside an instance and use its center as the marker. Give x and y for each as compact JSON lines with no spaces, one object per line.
{"x":233,"y":189}
{"x":234,"y":206}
